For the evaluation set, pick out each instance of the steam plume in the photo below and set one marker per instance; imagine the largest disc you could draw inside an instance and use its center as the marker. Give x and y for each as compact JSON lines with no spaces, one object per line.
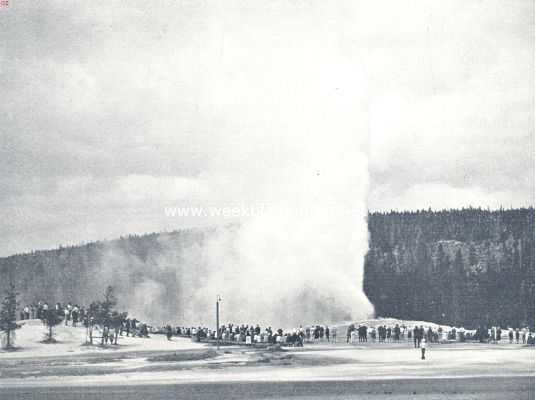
{"x":295,"y":102}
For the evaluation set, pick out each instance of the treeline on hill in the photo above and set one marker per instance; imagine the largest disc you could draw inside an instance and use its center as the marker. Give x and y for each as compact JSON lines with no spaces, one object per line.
{"x":463,"y":267}
{"x":151,"y":274}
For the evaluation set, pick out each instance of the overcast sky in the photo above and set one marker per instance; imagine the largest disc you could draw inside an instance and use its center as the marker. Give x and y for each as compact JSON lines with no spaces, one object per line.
{"x":112,"y":111}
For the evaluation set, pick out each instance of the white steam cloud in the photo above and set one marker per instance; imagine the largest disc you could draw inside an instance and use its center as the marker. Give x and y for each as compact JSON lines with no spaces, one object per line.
{"x":292,"y":99}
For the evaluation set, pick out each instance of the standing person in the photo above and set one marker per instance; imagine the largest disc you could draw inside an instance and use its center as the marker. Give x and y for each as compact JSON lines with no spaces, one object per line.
{"x":415,"y":332}
{"x":81,"y":314}
{"x":462,"y":334}
{"x":90,"y":326}
{"x":105,"y":333}
{"x":444,"y":336}
{"x":423,"y":346}
{"x":69,"y":311}
{"x":349,"y":331}
{"x":144,"y":331}
{"x":116,"y":331}
{"x":300,"y":338}
{"x":40,"y":310}
{"x":397,"y":333}
{"x":517,"y":335}
{"x":75,"y":313}
{"x":421,"y":334}
{"x":169,"y":332}
{"x":327,"y":334}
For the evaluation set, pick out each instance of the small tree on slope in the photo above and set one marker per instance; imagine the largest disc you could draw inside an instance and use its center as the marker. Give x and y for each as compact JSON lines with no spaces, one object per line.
{"x":8,"y":315}
{"x":51,"y":319}
{"x":107,"y":306}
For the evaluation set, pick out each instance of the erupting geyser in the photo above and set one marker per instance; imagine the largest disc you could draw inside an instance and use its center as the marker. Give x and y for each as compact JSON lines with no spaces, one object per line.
{"x":302,"y":260}
{"x":272,"y":119}
{"x":291,"y":95}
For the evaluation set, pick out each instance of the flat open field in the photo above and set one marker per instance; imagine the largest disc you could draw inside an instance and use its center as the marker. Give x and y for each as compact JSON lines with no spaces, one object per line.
{"x":161,"y":369}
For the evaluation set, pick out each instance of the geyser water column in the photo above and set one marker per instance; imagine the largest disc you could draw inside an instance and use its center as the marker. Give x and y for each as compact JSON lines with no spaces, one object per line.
{"x":289,"y":93}
{"x":264,"y":106}
{"x":282,"y":89}
{"x":299,"y":260}
{"x":305,"y":255}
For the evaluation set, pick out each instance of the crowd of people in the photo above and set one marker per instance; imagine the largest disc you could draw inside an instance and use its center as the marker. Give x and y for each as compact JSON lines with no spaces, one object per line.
{"x":396,"y":333}
{"x":72,"y":314}
{"x":254,"y":334}
{"x":496,"y":334}
{"x":110,"y":333}
{"x":417,"y":334}
{"x":244,"y":334}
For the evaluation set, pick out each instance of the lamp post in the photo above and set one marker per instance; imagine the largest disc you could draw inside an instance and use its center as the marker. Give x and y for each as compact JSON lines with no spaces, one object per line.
{"x":218,"y":299}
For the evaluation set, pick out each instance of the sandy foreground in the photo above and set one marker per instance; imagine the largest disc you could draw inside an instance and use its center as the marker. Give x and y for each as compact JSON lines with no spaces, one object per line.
{"x":157,"y":361}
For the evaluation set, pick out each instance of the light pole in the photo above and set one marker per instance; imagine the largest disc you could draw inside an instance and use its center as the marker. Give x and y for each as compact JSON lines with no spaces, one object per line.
{"x":218,"y":299}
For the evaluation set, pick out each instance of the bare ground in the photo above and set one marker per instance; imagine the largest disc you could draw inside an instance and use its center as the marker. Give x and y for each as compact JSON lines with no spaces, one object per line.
{"x":164,"y":368}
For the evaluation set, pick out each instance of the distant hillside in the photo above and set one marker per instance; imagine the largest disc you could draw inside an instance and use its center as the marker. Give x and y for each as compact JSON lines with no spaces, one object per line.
{"x":460,"y":267}
{"x":151,"y":273}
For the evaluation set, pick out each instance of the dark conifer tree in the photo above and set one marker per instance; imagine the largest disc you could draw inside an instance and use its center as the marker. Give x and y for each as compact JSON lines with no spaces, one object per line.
{"x":8,"y":315}
{"x":51,"y":319}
